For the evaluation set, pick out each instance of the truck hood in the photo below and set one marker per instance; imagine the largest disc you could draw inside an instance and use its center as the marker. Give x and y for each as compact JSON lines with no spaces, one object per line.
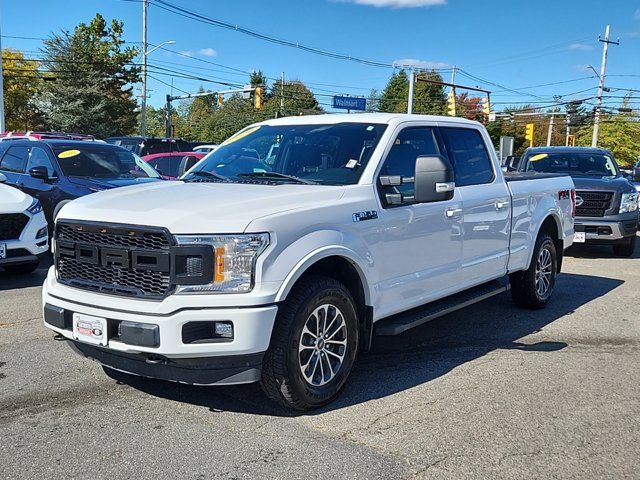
{"x":13,"y":200}
{"x":196,"y":207}
{"x":613,"y":184}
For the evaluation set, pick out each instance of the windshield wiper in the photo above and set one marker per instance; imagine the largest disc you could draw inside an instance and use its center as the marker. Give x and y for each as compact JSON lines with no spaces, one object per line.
{"x":277,"y":175}
{"x":207,"y":176}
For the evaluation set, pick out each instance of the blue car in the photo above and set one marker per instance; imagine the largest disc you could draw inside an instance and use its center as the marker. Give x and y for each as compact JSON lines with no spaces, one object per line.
{"x":57,"y":171}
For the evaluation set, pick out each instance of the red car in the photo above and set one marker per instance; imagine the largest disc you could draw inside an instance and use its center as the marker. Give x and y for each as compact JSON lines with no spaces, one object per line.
{"x":168,"y":164}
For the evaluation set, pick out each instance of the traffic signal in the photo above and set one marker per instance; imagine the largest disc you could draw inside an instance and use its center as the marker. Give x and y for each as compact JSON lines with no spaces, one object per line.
{"x":571,"y":140}
{"x":257,"y":98}
{"x":486,"y":106}
{"x":528,"y":133}
{"x":451,"y":103}
{"x":220,"y":100}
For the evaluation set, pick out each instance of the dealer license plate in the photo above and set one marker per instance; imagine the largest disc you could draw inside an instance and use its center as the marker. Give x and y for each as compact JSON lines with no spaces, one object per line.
{"x":90,"y":329}
{"x":3,"y":250}
{"x":579,"y":237}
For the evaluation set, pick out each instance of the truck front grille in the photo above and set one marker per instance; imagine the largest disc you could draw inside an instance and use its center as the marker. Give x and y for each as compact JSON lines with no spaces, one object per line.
{"x":594,"y":203}
{"x":114,"y":259}
{"x":12,"y":225}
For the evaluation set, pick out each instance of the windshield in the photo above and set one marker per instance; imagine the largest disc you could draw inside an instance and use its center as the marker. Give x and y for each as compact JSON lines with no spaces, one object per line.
{"x":320,"y":154}
{"x":573,"y":163}
{"x":102,"y":161}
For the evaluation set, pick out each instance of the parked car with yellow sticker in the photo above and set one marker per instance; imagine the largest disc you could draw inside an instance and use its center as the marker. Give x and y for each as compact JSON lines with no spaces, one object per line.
{"x":58,"y":171}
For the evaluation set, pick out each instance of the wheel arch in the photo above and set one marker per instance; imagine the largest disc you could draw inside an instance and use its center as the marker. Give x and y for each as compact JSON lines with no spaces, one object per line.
{"x":552,"y":226}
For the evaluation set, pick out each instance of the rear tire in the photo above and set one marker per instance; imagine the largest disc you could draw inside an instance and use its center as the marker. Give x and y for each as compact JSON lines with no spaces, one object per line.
{"x":533,"y":287}
{"x":625,"y":249}
{"x":313,"y":345}
{"x":22,"y":269}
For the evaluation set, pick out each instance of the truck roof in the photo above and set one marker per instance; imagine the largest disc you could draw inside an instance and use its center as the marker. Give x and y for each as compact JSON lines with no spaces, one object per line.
{"x":384,"y":118}
{"x":564,"y":149}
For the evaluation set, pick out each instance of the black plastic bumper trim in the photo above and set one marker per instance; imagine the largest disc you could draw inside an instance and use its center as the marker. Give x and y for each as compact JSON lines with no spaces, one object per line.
{"x":197,"y":371}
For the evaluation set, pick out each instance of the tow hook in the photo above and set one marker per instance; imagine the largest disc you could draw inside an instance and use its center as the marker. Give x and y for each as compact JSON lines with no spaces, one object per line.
{"x":154,"y":360}
{"x":58,"y":337}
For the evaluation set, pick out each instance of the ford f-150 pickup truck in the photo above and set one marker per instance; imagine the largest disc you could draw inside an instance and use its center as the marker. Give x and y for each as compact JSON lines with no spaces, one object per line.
{"x":278,"y":256}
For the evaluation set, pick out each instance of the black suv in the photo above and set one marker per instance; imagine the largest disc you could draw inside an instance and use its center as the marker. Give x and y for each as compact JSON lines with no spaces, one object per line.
{"x":57,"y":171}
{"x":143,"y":146}
{"x":606,"y":200}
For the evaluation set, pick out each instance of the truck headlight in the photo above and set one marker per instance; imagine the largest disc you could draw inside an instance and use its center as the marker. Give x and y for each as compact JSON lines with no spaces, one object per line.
{"x":234,"y":261}
{"x":629,"y":202}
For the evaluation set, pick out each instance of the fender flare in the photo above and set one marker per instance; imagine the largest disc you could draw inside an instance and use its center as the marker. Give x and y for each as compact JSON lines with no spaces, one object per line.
{"x":319,"y":254}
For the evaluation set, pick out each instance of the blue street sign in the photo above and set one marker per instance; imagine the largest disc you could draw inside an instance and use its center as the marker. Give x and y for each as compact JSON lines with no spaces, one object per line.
{"x":349,"y":103}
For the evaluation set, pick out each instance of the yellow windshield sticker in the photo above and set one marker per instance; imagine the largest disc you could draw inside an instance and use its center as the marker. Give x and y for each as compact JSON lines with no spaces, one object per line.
{"x":240,"y":135}
{"x":540,"y":156}
{"x":68,"y":153}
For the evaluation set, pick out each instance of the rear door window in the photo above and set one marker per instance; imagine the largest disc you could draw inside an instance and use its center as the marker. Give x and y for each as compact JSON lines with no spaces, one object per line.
{"x":15,"y":160}
{"x":469,"y":156}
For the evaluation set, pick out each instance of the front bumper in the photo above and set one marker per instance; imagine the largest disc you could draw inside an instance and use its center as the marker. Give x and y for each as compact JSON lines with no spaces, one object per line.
{"x":171,"y":357}
{"x":27,"y":248}
{"x":608,"y":230}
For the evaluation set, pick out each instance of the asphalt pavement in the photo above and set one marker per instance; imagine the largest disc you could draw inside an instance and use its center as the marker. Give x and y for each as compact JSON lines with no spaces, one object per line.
{"x":490,"y":391}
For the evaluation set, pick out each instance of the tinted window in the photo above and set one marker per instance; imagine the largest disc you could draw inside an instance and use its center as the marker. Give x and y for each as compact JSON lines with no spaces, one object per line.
{"x":401,"y":159}
{"x":15,"y":160}
{"x":151,"y":146}
{"x":469,"y":156}
{"x":101,"y":161}
{"x":573,"y":163}
{"x":39,"y":158}
{"x":166,"y":165}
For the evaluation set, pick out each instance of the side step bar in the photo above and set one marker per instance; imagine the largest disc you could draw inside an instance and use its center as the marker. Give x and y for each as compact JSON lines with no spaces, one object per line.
{"x":404,"y":321}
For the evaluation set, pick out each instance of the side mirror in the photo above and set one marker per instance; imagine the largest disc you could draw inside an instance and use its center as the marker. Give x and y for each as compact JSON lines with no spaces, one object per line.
{"x":433,"y":179}
{"x":3,"y":179}
{"x":39,"y":172}
{"x":185,"y":165}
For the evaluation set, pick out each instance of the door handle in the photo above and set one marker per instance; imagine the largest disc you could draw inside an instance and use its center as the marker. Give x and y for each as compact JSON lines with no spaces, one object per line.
{"x":453,"y":212}
{"x":500,"y":205}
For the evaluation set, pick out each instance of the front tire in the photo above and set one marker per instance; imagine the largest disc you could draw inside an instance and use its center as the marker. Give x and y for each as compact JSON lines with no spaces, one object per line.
{"x":313,"y":345}
{"x":533,"y":287}
{"x":625,"y":249}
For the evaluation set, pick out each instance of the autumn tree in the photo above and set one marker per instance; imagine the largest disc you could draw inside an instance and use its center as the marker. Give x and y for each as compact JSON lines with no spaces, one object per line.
{"x":22,"y":81}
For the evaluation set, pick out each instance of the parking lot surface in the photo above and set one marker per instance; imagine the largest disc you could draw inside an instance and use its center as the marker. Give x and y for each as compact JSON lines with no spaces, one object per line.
{"x":488,"y":392}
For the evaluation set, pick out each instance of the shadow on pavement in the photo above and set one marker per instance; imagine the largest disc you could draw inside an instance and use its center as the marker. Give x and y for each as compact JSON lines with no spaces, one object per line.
{"x":416,"y":357}
{"x":10,"y":281}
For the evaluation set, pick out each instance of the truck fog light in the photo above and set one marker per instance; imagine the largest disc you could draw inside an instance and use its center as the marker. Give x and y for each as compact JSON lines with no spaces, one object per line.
{"x":224,"y":329}
{"x":42,"y":232}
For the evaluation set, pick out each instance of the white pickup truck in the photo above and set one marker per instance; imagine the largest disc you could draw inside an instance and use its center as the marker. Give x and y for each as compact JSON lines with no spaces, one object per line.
{"x":278,"y":256}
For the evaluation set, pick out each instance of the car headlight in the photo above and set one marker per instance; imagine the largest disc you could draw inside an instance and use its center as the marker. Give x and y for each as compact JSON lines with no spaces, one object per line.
{"x":629,"y":202}
{"x":234,"y":263}
{"x":35,"y":207}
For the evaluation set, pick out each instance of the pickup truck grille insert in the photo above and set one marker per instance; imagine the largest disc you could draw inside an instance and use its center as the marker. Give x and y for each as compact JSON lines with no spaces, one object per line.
{"x":11,"y":225}
{"x":114,"y":259}
{"x":594,"y":204}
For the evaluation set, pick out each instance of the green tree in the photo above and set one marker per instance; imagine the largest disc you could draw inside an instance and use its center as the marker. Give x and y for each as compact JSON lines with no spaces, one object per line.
{"x":428,"y":97}
{"x":297,"y":99}
{"x":92,"y":90}
{"x":373,"y":101}
{"x":618,"y":133}
{"x":22,"y":81}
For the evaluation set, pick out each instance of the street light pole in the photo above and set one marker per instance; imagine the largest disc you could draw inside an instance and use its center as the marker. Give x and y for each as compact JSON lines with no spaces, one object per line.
{"x":143,"y":111}
{"x":412,"y":79}
{"x":2,"y":124}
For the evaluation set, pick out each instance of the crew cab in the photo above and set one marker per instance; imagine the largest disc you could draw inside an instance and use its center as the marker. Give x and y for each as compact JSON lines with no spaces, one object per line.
{"x":279,"y":264}
{"x":23,"y":230}
{"x":57,"y":171}
{"x":606,"y":200}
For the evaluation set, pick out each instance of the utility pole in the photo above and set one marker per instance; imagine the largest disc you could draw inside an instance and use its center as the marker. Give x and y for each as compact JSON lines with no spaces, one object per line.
{"x":2,"y":124}
{"x":282,"y":95}
{"x":603,"y":71}
{"x":143,"y":111}
{"x":412,"y":79}
{"x":550,"y":131}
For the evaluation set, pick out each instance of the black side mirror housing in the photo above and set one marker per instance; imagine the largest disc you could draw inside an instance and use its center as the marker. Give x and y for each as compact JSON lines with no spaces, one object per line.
{"x":433,"y":179}
{"x":39,"y":172}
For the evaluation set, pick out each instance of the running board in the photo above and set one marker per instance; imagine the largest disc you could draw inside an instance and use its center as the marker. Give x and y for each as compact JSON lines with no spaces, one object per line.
{"x":404,"y":321}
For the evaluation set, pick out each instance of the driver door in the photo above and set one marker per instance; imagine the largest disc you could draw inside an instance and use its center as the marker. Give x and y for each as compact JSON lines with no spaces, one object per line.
{"x":419,"y":247}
